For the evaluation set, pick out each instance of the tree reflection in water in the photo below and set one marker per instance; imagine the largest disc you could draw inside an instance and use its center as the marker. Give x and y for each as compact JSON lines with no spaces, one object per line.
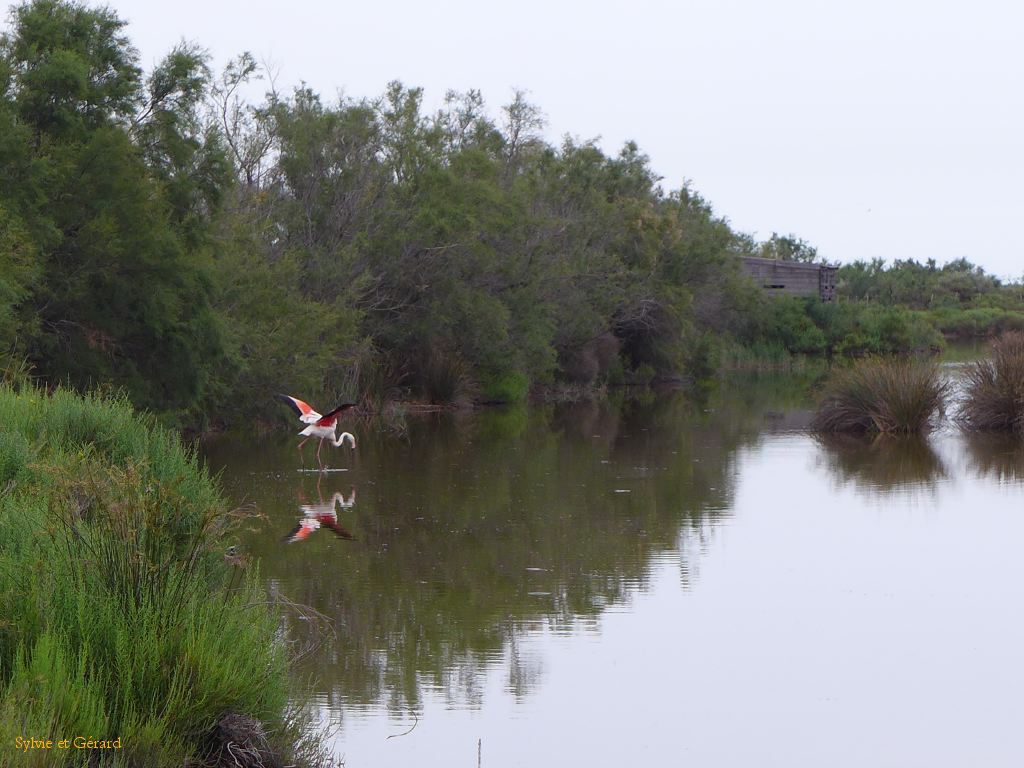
{"x":475,"y":530}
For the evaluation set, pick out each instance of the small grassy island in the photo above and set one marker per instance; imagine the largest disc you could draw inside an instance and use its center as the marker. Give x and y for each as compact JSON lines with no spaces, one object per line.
{"x":897,"y":395}
{"x":904,"y":395}
{"x":121,"y":621}
{"x":994,"y":393}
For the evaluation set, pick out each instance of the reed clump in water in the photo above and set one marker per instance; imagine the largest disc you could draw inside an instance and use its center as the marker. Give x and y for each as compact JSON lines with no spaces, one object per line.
{"x":886,"y":395}
{"x":994,"y":390}
{"x":120,"y":618}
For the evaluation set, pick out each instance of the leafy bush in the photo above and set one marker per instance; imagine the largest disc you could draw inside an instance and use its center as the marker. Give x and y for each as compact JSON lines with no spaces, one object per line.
{"x":795,"y":328}
{"x":505,"y":387}
{"x":977,"y":322}
{"x":885,"y":330}
{"x":14,"y":456}
{"x":121,"y":618}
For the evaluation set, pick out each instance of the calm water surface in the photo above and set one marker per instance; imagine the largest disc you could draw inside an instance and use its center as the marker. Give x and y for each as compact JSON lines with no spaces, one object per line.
{"x":656,"y":581}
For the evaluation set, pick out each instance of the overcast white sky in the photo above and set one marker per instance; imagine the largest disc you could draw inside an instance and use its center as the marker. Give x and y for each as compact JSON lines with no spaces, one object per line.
{"x":881,"y":128}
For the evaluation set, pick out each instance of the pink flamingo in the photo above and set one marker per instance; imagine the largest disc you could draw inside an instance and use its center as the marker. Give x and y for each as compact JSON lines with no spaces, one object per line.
{"x":323,"y":427}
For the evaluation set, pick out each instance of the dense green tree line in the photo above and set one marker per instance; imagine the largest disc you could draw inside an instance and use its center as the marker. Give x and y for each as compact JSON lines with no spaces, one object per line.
{"x":460,"y":257}
{"x":921,"y":286}
{"x":162,"y":234}
{"x":109,"y":188}
{"x":165,"y":236}
{"x":957,"y":299}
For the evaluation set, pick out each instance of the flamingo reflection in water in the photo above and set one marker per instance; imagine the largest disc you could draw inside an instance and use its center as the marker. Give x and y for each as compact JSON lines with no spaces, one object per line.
{"x":322,"y":515}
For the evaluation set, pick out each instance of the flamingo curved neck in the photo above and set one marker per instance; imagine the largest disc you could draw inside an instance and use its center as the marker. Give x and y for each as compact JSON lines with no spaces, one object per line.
{"x":343,"y":437}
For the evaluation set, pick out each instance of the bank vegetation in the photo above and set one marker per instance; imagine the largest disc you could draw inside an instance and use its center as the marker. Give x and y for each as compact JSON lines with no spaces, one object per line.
{"x":122,"y":619}
{"x":198,"y":250}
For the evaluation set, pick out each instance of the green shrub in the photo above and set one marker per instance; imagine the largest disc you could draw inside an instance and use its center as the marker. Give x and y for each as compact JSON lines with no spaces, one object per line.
{"x":897,"y":330}
{"x":14,"y":456}
{"x":794,"y":328}
{"x":733,"y":356}
{"x":976,"y":322}
{"x":643,"y":374}
{"x":117,"y":617}
{"x":506,"y":387}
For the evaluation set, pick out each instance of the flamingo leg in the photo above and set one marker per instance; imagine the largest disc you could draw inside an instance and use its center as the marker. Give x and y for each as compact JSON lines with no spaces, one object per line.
{"x":321,"y":445}
{"x":302,"y":456}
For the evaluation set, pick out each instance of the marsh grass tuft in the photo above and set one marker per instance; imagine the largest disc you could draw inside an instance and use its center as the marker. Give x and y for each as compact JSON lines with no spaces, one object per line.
{"x":994,"y":389}
{"x":887,"y":395}
{"x":446,"y":379}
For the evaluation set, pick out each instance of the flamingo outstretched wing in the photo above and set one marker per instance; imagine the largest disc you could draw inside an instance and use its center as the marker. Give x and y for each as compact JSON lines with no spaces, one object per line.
{"x":303,"y":409}
{"x":298,"y":533}
{"x":331,"y":416}
{"x":329,"y":521}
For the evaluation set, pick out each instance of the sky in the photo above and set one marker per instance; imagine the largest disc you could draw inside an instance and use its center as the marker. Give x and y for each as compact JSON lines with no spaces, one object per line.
{"x":884,"y":128}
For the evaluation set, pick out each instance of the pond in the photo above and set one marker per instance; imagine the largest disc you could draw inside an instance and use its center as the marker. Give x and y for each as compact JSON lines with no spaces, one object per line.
{"x":653,"y":579}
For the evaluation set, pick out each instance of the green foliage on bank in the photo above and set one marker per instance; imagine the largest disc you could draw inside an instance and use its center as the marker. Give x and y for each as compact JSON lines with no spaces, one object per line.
{"x":958,"y":299}
{"x":121,"y":618}
{"x":108,"y":183}
{"x":199,"y":251}
{"x":905,"y":307}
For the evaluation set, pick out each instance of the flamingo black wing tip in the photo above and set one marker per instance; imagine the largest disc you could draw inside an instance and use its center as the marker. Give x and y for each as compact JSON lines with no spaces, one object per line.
{"x":289,"y":402}
{"x":340,"y":531}
{"x":340,"y":409}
